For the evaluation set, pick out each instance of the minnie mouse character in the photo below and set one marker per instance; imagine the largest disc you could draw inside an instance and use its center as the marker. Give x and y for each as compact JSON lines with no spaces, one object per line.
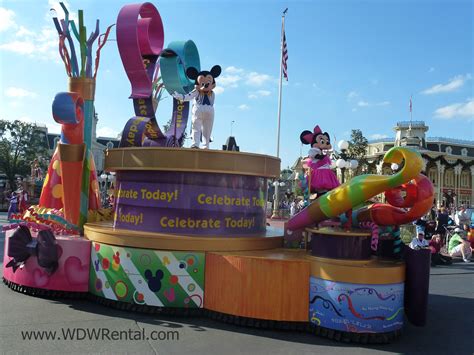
{"x":203,"y":106}
{"x":322,"y":177}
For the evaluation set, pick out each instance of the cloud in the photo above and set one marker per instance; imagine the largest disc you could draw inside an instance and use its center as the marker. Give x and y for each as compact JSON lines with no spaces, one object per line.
{"x":20,"y":47}
{"x":40,"y":44}
{"x":244,"y":107}
{"x":7,"y":19}
{"x":257,"y":79}
{"x":465,"y":109}
{"x":106,"y":132}
{"x":233,"y":70}
{"x":378,"y":136}
{"x":234,"y":76}
{"x":19,"y":93}
{"x":363,"y":103}
{"x":24,"y":32}
{"x":229,"y":80}
{"x":352,"y":95}
{"x":218,"y":90}
{"x":259,"y":93}
{"x":432,"y":69}
{"x":453,"y":84}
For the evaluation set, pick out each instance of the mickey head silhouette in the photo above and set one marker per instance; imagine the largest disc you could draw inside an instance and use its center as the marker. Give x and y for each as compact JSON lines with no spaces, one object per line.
{"x":154,"y":282}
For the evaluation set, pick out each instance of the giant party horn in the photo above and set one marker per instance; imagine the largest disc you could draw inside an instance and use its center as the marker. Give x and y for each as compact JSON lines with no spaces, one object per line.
{"x":360,"y":189}
{"x":68,"y":110}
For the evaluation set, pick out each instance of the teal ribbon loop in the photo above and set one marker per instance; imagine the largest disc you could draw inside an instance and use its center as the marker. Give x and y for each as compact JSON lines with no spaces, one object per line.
{"x":174,"y":60}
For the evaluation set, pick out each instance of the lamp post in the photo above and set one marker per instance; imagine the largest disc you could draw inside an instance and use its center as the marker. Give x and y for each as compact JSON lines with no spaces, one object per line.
{"x":104,"y":177}
{"x":231,"y":126}
{"x":276,"y":199}
{"x":343,"y":161}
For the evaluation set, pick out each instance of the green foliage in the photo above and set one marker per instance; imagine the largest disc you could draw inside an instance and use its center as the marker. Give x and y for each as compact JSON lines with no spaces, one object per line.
{"x":358,"y":149}
{"x":20,"y":144}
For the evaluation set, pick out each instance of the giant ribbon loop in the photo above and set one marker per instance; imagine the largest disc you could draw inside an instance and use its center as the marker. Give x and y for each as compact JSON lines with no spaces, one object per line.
{"x":140,"y":39}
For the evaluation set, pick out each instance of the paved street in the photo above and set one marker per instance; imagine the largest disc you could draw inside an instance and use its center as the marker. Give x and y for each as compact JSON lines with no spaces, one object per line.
{"x":450,"y":328}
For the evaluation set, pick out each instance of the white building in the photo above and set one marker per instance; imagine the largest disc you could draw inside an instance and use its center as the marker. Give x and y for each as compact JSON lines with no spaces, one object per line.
{"x":448,"y":162}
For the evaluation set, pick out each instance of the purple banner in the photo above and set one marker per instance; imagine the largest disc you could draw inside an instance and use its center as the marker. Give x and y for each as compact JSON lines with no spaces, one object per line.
{"x":189,"y":222}
{"x":201,"y":204}
{"x":190,"y":197}
{"x":143,"y":129}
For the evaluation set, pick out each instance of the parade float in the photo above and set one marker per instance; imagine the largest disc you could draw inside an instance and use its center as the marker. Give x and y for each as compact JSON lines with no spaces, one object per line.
{"x":188,"y":234}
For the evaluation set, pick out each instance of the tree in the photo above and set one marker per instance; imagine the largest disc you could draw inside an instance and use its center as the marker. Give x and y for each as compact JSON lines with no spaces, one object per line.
{"x":20,"y":144}
{"x":358,"y":149}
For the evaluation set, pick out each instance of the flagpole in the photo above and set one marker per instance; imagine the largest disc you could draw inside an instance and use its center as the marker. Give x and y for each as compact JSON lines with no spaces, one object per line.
{"x":276,"y":184}
{"x":281,"y":78}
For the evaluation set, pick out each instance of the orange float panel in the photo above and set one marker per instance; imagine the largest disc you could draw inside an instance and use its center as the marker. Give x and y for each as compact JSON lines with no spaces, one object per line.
{"x":267,"y":284}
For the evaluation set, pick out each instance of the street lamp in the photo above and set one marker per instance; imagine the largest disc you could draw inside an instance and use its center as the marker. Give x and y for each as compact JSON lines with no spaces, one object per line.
{"x":231,"y":126}
{"x":343,"y":162}
{"x":276,"y":202}
{"x":104,"y":177}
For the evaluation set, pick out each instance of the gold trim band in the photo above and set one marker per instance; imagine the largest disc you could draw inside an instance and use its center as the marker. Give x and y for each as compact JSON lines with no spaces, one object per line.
{"x":71,"y":152}
{"x":103,"y":232}
{"x":338,"y":232}
{"x":83,"y":86}
{"x":192,"y":160}
{"x":373,"y":271}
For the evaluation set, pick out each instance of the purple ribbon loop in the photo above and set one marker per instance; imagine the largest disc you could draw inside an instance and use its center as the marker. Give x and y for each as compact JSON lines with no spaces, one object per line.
{"x":22,"y":245}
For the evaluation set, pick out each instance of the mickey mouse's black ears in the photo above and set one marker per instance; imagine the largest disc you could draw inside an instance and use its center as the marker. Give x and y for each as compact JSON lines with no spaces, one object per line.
{"x":192,"y":73}
{"x":216,"y":71}
{"x":159,"y":274}
{"x":148,"y":274}
{"x":306,"y":137}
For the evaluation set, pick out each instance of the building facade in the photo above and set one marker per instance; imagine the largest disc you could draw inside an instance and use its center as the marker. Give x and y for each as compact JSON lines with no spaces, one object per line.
{"x":448,"y":162}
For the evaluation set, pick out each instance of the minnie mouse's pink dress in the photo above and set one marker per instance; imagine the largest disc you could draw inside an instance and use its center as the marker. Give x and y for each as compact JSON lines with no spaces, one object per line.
{"x":322,"y":176}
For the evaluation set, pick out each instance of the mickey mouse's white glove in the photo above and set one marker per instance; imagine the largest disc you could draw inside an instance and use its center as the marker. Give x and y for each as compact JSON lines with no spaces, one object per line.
{"x":313,"y":152}
{"x":178,"y":96}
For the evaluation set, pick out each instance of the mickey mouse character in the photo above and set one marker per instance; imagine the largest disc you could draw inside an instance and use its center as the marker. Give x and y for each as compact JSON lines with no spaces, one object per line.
{"x":203,"y":106}
{"x":322,"y":177}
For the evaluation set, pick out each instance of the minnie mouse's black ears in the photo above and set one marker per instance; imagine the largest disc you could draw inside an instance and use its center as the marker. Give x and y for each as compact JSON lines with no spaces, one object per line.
{"x":306,"y":137}
{"x":192,"y":73}
{"x":216,"y":71}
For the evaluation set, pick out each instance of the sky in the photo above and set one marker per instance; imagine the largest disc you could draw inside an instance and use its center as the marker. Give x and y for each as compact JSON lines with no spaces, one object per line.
{"x":352,"y":65}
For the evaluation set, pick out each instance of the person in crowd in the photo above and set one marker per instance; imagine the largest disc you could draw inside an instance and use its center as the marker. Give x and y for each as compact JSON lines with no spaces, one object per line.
{"x":293,"y":206}
{"x":13,"y":206}
{"x":459,"y":247}
{"x":436,"y":257}
{"x":419,"y":241}
{"x":461,"y":217}
{"x":442,"y":221}
{"x":22,"y":199}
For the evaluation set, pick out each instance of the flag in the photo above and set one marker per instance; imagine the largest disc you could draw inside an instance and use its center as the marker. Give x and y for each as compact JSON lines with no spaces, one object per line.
{"x":410,"y":105}
{"x":284,"y":57}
